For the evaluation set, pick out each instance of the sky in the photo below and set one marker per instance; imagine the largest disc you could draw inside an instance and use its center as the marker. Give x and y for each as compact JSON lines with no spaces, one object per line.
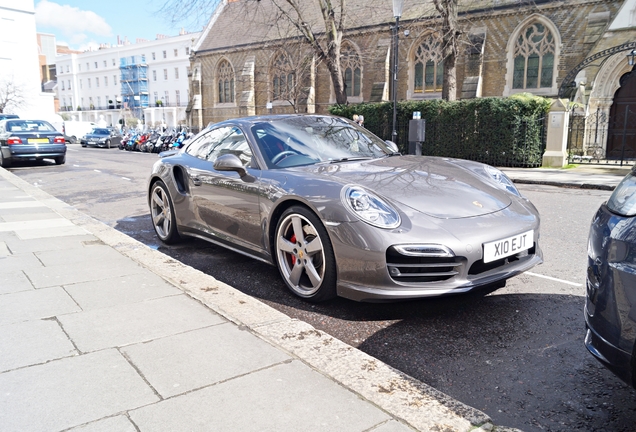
{"x":84,"y":24}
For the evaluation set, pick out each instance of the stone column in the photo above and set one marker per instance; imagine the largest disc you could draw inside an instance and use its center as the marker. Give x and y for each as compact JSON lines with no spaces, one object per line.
{"x":556,"y":155}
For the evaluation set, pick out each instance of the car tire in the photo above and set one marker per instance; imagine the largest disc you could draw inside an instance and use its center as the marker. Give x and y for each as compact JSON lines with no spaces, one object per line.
{"x":73,"y":139}
{"x":4,"y":162}
{"x":108,"y":143}
{"x":162,"y":214}
{"x":60,"y":160}
{"x":307,"y":265}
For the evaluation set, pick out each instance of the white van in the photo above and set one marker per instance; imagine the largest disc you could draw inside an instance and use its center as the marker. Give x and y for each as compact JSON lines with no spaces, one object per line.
{"x":75,"y":130}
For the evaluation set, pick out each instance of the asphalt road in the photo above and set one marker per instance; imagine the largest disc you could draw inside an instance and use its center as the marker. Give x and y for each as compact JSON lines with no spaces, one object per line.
{"x":516,"y":353}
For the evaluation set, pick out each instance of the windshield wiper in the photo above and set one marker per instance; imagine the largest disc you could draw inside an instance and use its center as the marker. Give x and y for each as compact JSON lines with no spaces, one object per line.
{"x":349,"y":159}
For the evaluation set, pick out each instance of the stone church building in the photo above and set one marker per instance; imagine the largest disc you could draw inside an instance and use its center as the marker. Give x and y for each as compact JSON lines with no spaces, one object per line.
{"x":250,"y":61}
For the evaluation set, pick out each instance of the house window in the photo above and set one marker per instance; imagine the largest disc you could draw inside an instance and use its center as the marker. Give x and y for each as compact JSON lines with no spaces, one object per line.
{"x":143,"y":58}
{"x":187,"y":50}
{"x":114,"y":79}
{"x":178,"y":97}
{"x":166,"y":97}
{"x":176,"y":52}
{"x":67,"y":69}
{"x":87,"y":66}
{"x":105,"y":64}
{"x":95,"y":65}
{"x":534,"y":58}
{"x":283,"y":78}
{"x":154,"y":75}
{"x":114,"y":63}
{"x":106,"y":81}
{"x":165,"y":74}
{"x":226,"y":82}
{"x":89,"y":82}
{"x":63,"y":86}
{"x":69,"y":84}
{"x":99,"y":102}
{"x":154,"y":57}
{"x":156,"y":97}
{"x":165,"y":54}
{"x":350,"y":62}
{"x":428,"y":65}
{"x":96,"y":81}
{"x":80,"y":84}
{"x":176,"y":73}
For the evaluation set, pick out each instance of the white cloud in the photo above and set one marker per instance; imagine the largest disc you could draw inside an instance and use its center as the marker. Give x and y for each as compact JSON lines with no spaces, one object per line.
{"x":72,"y":22}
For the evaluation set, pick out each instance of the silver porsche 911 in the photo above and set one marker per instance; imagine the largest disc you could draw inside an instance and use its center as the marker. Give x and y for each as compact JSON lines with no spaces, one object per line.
{"x":340,"y":212}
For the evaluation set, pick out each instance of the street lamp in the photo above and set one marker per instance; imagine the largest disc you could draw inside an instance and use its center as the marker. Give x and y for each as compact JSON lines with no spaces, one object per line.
{"x":631,"y":57}
{"x":397,"y":13}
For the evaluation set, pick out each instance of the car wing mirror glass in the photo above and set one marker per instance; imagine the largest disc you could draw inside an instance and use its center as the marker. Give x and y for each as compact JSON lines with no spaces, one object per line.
{"x":231,"y":162}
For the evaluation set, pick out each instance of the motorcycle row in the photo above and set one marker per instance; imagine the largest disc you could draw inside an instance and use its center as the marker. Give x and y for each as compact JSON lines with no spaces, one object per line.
{"x":154,"y":141}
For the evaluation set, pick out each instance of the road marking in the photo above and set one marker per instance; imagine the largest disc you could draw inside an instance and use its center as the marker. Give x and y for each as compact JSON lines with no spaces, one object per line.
{"x":97,"y":170}
{"x":554,"y":279}
{"x":76,"y":165}
{"x":126,"y":178}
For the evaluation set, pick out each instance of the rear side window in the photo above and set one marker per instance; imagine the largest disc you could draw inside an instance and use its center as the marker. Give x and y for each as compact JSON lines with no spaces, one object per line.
{"x":29,"y":126}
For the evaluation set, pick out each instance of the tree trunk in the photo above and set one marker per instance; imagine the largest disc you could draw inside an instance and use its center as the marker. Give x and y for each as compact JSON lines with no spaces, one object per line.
{"x":450,"y":36}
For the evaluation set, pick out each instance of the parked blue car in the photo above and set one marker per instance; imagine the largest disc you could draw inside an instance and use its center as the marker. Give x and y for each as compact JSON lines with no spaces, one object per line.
{"x":610,"y":307}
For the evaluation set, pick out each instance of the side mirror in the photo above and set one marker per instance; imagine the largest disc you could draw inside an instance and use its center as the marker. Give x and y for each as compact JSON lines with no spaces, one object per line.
{"x":231,"y":162}
{"x":393,"y":146}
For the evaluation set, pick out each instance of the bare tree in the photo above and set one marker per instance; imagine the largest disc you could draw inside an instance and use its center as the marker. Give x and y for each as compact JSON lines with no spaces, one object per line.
{"x":450,"y":40}
{"x":326,"y":46}
{"x":11,"y":96}
{"x":292,"y":71}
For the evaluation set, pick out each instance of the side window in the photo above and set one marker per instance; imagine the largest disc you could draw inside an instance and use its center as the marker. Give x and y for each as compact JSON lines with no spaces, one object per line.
{"x":236,"y":144}
{"x":204,"y":144}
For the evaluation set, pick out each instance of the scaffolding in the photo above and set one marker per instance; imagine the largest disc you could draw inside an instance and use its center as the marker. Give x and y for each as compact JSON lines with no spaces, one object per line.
{"x":134,"y":83}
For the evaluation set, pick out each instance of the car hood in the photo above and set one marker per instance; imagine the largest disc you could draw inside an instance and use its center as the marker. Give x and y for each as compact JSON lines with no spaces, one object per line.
{"x":438,"y":187}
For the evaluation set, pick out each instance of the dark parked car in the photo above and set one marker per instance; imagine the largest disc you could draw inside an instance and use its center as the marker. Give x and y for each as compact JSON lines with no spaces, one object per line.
{"x":610,"y":307}
{"x":340,"y":212}
{"x":101,"y":137}
{"x":30,"y":140}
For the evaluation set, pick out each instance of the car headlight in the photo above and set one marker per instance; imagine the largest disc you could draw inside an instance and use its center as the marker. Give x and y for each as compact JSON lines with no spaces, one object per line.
{"x":369,"y":207}
{"x":502,"y":180}
{"x":623,"y":199}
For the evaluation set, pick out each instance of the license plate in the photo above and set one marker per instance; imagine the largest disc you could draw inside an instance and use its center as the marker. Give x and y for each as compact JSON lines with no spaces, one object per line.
{"x":38,"y":140}
{"x":509,"y":246}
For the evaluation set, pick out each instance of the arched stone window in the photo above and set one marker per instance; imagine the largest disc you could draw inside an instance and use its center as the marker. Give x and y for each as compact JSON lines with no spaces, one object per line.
{"x":428,"y":65}
{"x":283,"y":78}
{"x":352,"y":69}
{"x":534,"y":55}
{"x":226,"y":82}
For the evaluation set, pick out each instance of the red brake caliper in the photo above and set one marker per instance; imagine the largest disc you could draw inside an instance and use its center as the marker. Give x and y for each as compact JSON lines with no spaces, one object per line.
{"x":293,"y":240}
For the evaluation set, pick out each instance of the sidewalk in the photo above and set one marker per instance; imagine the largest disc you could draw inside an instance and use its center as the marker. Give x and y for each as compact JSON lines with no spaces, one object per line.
{"x":100,"y":333}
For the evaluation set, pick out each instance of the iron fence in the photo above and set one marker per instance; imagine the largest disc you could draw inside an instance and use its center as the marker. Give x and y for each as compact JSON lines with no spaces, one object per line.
{"x":519,"y":142}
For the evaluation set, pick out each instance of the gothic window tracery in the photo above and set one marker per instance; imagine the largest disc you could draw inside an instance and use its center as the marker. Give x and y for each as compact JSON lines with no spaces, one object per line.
{"x":226,"y":82}
{"x":283,"y":78}
{"x":352,"y":68}
{"x":534,"y":54}
{"x":428,"y":65}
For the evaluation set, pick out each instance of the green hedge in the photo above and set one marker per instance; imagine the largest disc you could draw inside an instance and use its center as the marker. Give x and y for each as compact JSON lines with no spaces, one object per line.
{"x":498,"y":131}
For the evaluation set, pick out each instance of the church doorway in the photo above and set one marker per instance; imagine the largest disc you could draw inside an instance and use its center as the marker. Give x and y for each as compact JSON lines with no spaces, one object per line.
{"x":621,"y":142}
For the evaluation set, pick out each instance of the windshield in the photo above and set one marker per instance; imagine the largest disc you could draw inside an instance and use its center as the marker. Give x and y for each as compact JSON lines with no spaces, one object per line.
{"x":29,"y":126}
{"x":306,"y":140}
{"x":98,"y":131}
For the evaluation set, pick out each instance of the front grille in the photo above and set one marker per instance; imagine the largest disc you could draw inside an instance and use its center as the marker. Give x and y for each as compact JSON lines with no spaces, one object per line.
{"x":404,"y":268}
{"x":479,"y":267}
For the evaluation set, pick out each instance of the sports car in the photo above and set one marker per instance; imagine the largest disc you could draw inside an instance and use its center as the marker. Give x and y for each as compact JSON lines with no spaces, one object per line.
{"x":341,"y":213}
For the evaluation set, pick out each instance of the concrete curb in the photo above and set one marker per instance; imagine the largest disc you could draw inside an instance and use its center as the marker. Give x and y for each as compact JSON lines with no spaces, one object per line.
{"x":415,"y":403}
{"x":565,"y":184}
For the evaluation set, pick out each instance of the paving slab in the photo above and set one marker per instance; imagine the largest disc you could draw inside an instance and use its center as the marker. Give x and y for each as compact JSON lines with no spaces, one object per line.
{"x":58,"y":275}
{"x":138,"y":322}
{"x":283,"y":397}
{"x":97,"y":253}
{"x":19,"y":261}
{"x":177,"y":364}
{"x":120,"y":290}
{"x":35,"y":304}
{"x":18,"y":245}
{"x":14,"y":281}
{"x":32,"y":342}
{"x":70,"y":392}
{"x":119,"y":424}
